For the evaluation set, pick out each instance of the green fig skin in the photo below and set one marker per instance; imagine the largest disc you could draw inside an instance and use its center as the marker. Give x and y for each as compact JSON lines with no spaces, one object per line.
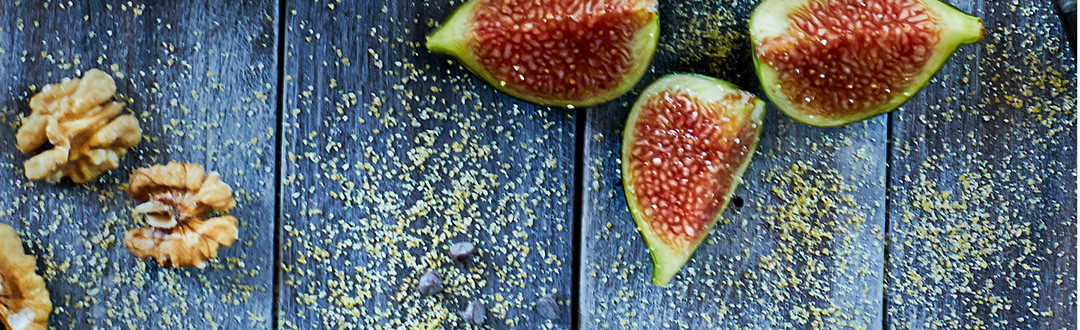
{"x":769,"y":20}
{"x":453,"y":39}
{"x":668,"y":260}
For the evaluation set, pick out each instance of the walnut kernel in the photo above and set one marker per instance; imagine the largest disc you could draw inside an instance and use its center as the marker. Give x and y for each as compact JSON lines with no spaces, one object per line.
{"x":78,"y":119}
{"x":24,"y":300}
{"x":176,"y":197}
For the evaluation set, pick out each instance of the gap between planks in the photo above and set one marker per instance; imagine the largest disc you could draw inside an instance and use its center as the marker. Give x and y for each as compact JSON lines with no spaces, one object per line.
{"x":278,"y":161}
{"x":580,"y":123}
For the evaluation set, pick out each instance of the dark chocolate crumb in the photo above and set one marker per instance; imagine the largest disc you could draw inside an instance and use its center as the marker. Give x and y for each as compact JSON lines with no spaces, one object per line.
{"x":430,"y":283}
{"x":462,"y":250}
{"x":547,"y":307}
{"x":474,"y":313}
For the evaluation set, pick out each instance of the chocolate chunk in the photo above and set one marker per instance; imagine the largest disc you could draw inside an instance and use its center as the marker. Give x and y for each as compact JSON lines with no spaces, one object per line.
{"x":547,"y":307}
{"x":430,"y":283}
{"x":474,"y":313}
{"x":462,"y":250}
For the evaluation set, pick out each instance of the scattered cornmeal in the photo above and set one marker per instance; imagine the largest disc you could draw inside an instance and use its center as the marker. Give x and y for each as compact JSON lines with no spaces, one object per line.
{"x":78,"y":120}
{"x":24,"y":300}
{"x":176,"y":198}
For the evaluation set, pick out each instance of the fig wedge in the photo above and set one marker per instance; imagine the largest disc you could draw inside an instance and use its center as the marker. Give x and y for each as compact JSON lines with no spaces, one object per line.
{"x":687,"y":143}
{"x":834,"y":62}
{"x":566,"y":53}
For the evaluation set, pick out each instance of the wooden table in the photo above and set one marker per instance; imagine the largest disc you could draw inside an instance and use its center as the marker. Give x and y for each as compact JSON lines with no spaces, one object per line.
{"x":358,"y":157}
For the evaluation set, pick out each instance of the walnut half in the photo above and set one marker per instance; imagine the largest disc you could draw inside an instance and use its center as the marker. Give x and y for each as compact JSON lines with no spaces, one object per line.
{"x":176,"y":197}
{"x":24,"y":300}
{"x":78,"y":119}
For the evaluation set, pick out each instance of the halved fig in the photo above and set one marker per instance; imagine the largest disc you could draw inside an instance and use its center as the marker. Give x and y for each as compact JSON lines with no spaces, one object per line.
{"x":686,"y":144}
{"x":833,"y":62}
{"x":568,"y":53}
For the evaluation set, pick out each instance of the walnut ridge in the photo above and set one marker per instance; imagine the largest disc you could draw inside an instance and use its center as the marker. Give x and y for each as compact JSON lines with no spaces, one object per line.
{"x":77,"y":119}
{"x":176,"y":198}
{"x":24,"y":300}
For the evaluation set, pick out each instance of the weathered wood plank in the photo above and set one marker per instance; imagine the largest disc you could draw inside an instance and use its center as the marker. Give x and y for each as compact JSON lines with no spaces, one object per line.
{"x":1066,"y":10}
{"x":198,"y":75}
{"x":982,"y":204}
{"x":802,"y":245}
{"x":391,"y":154}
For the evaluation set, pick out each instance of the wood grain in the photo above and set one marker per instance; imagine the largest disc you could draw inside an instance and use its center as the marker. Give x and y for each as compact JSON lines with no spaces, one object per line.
{"x":391,"y":154}
{"x":199,"y":76}
{"x":781,"y":257}
{"x":982,"y":198}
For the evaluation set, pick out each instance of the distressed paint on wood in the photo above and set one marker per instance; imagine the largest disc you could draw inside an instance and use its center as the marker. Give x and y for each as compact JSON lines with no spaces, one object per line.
{"x":982,"y":198}
{"x":391,"y":154}
{"x":199,"y":77}
{"x":801,"y":246}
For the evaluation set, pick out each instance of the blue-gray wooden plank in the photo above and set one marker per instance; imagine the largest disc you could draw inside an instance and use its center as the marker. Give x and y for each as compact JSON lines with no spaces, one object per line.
{"x":1066,"y":10}
{"x":804,"y":249}
{"x":201,"y":78}
{"x":982,"y":197}
{"x":391,"y":153}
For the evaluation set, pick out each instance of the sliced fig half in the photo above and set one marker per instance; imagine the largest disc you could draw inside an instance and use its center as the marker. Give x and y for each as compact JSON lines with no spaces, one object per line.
{"x":686,"y":144}
{"x":833,"y":62}
{"x":568,"y":53}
